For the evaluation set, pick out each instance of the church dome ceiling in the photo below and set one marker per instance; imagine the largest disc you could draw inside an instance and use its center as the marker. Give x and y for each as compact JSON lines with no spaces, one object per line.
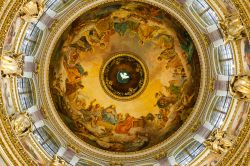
{"x":123,"y":83}
{"x":124,"y":76}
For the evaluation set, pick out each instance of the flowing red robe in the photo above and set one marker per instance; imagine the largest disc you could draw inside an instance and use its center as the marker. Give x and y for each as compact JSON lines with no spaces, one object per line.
{"x":124,"y":126}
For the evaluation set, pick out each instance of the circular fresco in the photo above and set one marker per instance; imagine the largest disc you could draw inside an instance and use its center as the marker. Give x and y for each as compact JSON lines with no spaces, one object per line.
{"x":124,"y":76}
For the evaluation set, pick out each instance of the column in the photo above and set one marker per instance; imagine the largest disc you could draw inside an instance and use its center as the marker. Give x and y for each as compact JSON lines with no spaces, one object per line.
{"x":203,"y":132}
{"x":221,"y":85}
{"x":68,"y":155}
{"x":61,"y":151}
{"x":32,"y":109}
{"x":46,"y":19}
{"x":215,"y":35}
{"x":172,"y":160}
{"x":28,"y":67}
{"x":39,"y":124}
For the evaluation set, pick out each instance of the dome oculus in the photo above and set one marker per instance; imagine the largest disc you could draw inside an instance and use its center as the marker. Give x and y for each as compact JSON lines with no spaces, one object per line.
{"x":123,"y":76}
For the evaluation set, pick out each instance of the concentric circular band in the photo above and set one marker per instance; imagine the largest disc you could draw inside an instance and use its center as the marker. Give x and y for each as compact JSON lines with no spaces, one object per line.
{"x":130,"y":63}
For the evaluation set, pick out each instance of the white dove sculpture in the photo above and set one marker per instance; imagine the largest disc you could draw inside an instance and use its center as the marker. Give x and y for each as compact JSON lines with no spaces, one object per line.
{"x":124,"y":76}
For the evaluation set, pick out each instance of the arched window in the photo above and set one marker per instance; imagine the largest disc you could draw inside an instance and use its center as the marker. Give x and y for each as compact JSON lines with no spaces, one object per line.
{"x":57,"y":5}
{"x":220,"y":110}
{"x":225,"y":57}
{"x":188,"y":153}
{"x":47,"y":140}
{"x":203,"y":11}
{"x":31,"y":39}
{"x":24,"y":88}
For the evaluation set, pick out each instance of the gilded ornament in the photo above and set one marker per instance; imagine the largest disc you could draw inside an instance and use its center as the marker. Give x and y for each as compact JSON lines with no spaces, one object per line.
{"x":21,"y":123}
{"x":56,"y":161}
{"x":15,"y":151}
{"x":218,"y":142}
{"x":196,"y":126}
{"x":32,"y":10}
{"x":240,"y":87}
{"x":44,"y":113}
{"x":206,"y":40}
{"x":212,"y":85}
{"x":11,"y":64}
{"x":232,"y":28}
{"x":115,"y":163}
{"x":160,"y":155}
{"x":37,"y":69}
{"x":74,"y":148}
{"x":243,"y":13}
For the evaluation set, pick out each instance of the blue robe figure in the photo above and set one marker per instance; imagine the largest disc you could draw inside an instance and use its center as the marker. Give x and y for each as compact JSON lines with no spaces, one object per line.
{"x":109,"y":115}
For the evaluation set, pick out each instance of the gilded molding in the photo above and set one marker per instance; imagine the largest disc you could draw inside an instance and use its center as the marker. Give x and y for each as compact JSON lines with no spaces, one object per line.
{"x":13,"y":142}
{"x":237,"y":53}
{"x":8,"y":20}
{"x":240,"y":143}
{"x":237,"y":148}
{"x":234,"y":114}
{"x":8,"y":134}
{"x":245,"y":159}
{"x":5,"y":149}
{"x":217,"y":7}
{"x":1,"y":4}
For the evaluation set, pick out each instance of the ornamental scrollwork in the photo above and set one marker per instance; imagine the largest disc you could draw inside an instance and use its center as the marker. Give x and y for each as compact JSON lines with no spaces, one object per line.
{"x":56,"y":161}
{"x":218,"y":142}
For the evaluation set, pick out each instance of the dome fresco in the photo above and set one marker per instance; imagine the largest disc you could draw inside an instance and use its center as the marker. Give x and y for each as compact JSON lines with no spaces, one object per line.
{"x":124,"y":76}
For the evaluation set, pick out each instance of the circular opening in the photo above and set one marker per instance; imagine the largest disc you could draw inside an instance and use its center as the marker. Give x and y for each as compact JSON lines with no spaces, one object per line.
{"x":124,"y":76}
